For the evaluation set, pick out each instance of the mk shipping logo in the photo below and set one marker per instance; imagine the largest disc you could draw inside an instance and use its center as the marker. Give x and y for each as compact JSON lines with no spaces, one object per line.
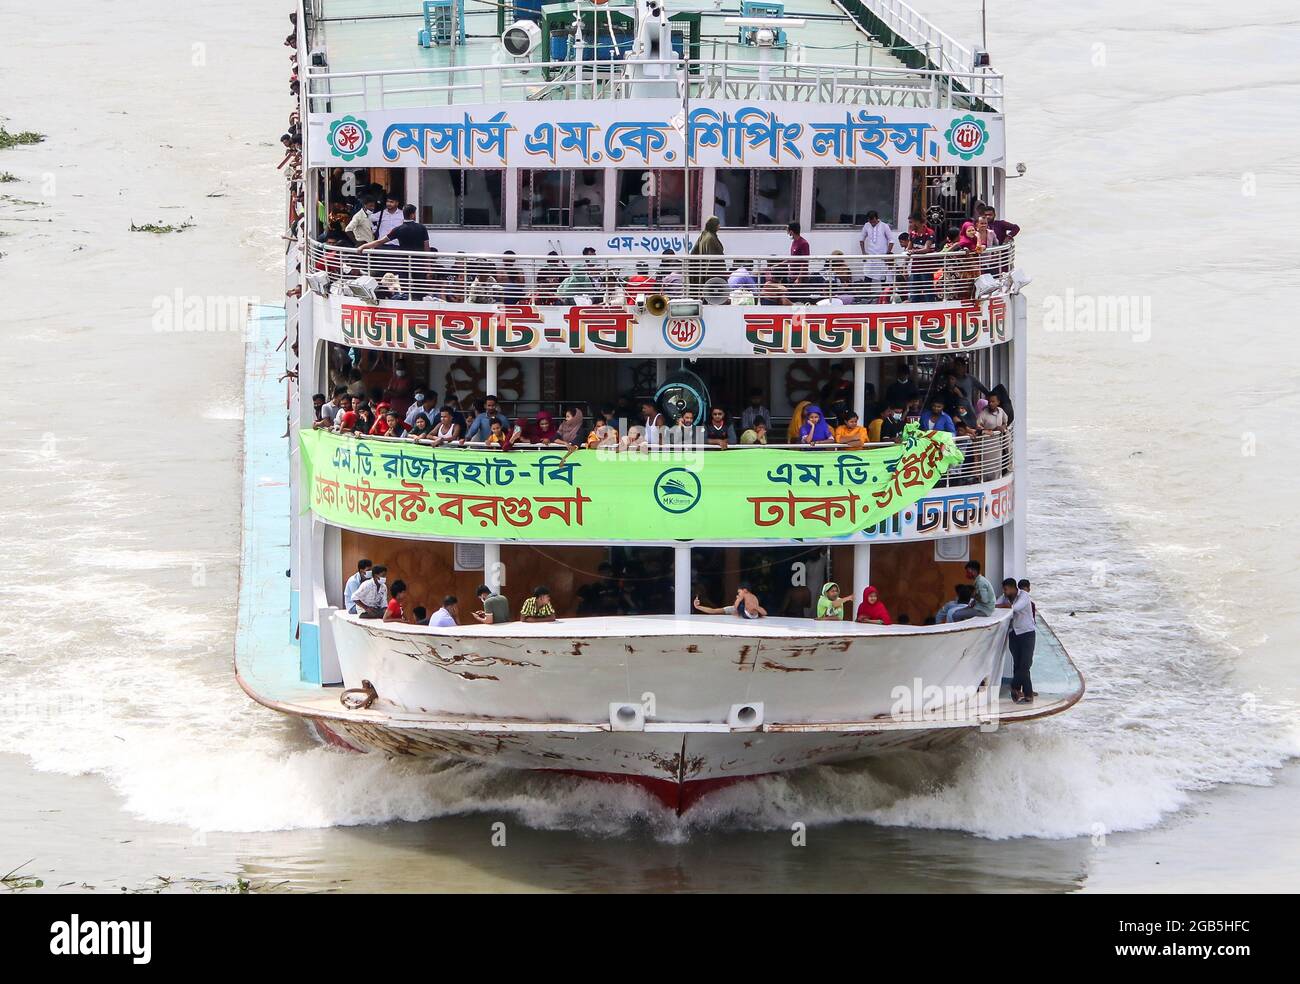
{"x":967,"y":137}
{"x":348,"y":138}
{"x":677,"y":490}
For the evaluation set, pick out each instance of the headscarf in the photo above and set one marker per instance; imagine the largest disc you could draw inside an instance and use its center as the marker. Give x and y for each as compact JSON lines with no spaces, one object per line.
{"x":796,"y":422}
{"x":877,"y":610}
{"x":827,"y":587}
{"x":349,"y":420}
{"x":541,"y":429}
{"x":570,"y":432}
{"x":968,"y":238}
{"x":821,"y":432}
{"x":708,"y":244}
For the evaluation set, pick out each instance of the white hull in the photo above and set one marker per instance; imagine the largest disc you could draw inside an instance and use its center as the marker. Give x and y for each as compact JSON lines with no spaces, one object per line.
{"x":544,"y":696}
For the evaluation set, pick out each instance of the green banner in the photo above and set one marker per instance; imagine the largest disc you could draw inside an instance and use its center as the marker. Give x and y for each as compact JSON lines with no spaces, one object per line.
{"x":592,"y":496}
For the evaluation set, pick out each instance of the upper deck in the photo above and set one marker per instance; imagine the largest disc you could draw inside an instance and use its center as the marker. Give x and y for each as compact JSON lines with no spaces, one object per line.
{"x":365,"y":55}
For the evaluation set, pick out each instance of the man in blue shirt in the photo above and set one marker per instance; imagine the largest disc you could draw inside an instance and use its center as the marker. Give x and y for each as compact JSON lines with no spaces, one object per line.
{"x":354,"y":582}
{"x":981,"y":604}
{"x":482,"y":425}
{"x":935,"y":419}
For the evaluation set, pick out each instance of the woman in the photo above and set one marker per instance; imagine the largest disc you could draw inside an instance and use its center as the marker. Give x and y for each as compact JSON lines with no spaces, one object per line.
{"x":815,"y":430}
{"x":604,"y":434}
{"x":394,"y":425}
{"x":839,"y":278}
{"x":708,"y":245}
{"x":541,"y":429}
{"x":421,"y":430}
{"x":446,"y":431}
{"x":570,"y":433}
{"x":830,"y":606}
{"x":635,"y":440}
{"x":872,"y":611}
{"x":796,"y":422}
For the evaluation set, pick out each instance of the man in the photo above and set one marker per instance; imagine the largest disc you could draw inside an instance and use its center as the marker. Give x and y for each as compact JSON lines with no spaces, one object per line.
{"x":683,"y":432}
{"x":495,"y":610}
{"x":395,"y":610}
{"x":1004,"y":230}
{"x":481,"y":428}
{"x":921,"y":242}
{"x":876,"y":239}
{"x":964,"y":594}
{"x":798,"y":247}
{"x":318,"y":406}
{"x":354,"y":582}
{"x":537,"y":607}
{"x":409,"y":235}
{"x":981,"y":603}
{"x":831,"y":606}
{"x":1020,"y":640}
{"x":423,"y":402}
{"x":718,"y":431}
{"x":935,"y":419}
{"x":333,"y":407}
{"x":754,"y":411}
{"x":446,"y":616}
{"x":902,"y":388}
{"x":746,"y":606}
{"x":970,"y":387}
{"x":361,"y":227}
{"x":371,"y":598}
{"x":851,"y":434}
{"x":387,"y":220}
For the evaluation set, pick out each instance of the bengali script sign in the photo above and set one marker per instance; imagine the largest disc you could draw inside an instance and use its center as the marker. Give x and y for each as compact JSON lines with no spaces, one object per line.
{"x":588,"y":496}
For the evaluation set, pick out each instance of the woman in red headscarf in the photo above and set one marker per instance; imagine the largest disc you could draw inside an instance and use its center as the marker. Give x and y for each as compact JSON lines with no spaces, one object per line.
{"x":872,"y":609}
{"x":542,"y":429}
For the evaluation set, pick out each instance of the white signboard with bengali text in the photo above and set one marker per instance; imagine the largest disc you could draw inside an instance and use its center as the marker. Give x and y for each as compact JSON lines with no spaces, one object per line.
{"x":623,"y":331}
{"x":655,"y":133}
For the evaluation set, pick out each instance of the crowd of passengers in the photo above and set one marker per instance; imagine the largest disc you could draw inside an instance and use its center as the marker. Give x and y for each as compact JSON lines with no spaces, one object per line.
{"x":369,"y":595}
{"x":919,"y":264}
{"x":956,"y":403}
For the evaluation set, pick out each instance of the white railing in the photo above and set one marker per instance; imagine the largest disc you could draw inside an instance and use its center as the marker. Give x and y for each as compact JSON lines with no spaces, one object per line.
{"x":722,"y":78}
{"x":495,"y":278}
{"x":940,"y":48}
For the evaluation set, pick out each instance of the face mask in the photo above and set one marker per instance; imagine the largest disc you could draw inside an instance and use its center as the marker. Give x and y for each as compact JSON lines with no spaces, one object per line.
{"x":383,"y":580}
{"x":401,"y":373}
{"x":365,"y":575}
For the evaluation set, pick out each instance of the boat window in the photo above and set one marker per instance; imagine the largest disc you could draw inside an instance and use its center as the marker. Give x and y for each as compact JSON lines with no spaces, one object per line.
{"x":753,"y":199}
{"x":656,"y":199}
{"x":461,"y":198}
{"x":844,"y":196}
{"x":561,"y":199}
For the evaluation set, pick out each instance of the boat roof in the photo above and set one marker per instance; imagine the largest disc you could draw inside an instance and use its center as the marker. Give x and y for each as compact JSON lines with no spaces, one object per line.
{"x":375,"y":35}
{"x":368,"y":54}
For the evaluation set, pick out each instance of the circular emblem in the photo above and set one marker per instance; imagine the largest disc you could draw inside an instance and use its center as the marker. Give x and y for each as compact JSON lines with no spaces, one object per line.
{"x":677,"y":490}
{"x":967,"y":137}
{"x":348,"y":138}
{"x":683,"y":334}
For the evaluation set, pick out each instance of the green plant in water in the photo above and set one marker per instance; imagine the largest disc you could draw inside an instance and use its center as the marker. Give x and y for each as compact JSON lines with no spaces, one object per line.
{"x":8,"y":139}
{"x":159,"y":228}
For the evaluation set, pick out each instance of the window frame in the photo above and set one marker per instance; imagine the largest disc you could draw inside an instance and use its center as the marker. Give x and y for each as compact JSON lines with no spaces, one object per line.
{"x":459,"y":222}
{"x":796,"y":189}
{"x":525,"y":187}
{"x":692,"y":201}
{"x":890,"y":217}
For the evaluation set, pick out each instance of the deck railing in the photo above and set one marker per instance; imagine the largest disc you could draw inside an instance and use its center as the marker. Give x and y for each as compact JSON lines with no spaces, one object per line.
{"x":495,"y":278}
{"x":709,"y":78}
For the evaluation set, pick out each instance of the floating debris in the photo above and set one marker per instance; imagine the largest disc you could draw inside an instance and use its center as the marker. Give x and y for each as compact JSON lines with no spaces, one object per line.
{"x":159,"y":228}
{"x":8,"y":139}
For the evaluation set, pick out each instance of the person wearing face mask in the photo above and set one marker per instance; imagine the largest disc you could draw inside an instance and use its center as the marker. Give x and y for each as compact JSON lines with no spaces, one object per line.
{"x":891,"y":423}
{"x":371,"y":598}
{"x":355,"y":582}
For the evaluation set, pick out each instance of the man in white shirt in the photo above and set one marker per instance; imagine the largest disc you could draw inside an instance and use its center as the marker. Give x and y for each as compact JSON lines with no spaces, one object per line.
{"x":877,"y":239}
{"x":424,"y":402}
{"x":446,"y":616}
{"x":1020,"y":640}
{"x":389,"y":219}
{"x":372,"y":597}
{"x":354,"y":582}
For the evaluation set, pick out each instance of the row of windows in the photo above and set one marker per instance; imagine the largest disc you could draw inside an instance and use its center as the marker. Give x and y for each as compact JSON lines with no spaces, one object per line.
{"x":655,"y":199}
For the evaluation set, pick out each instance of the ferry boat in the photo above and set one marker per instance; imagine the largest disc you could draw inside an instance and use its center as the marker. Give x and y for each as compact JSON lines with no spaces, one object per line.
{"x":567,"y":161}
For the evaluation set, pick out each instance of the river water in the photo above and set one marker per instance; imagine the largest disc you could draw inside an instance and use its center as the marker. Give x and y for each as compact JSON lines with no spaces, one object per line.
{"x":1158,"y":140}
